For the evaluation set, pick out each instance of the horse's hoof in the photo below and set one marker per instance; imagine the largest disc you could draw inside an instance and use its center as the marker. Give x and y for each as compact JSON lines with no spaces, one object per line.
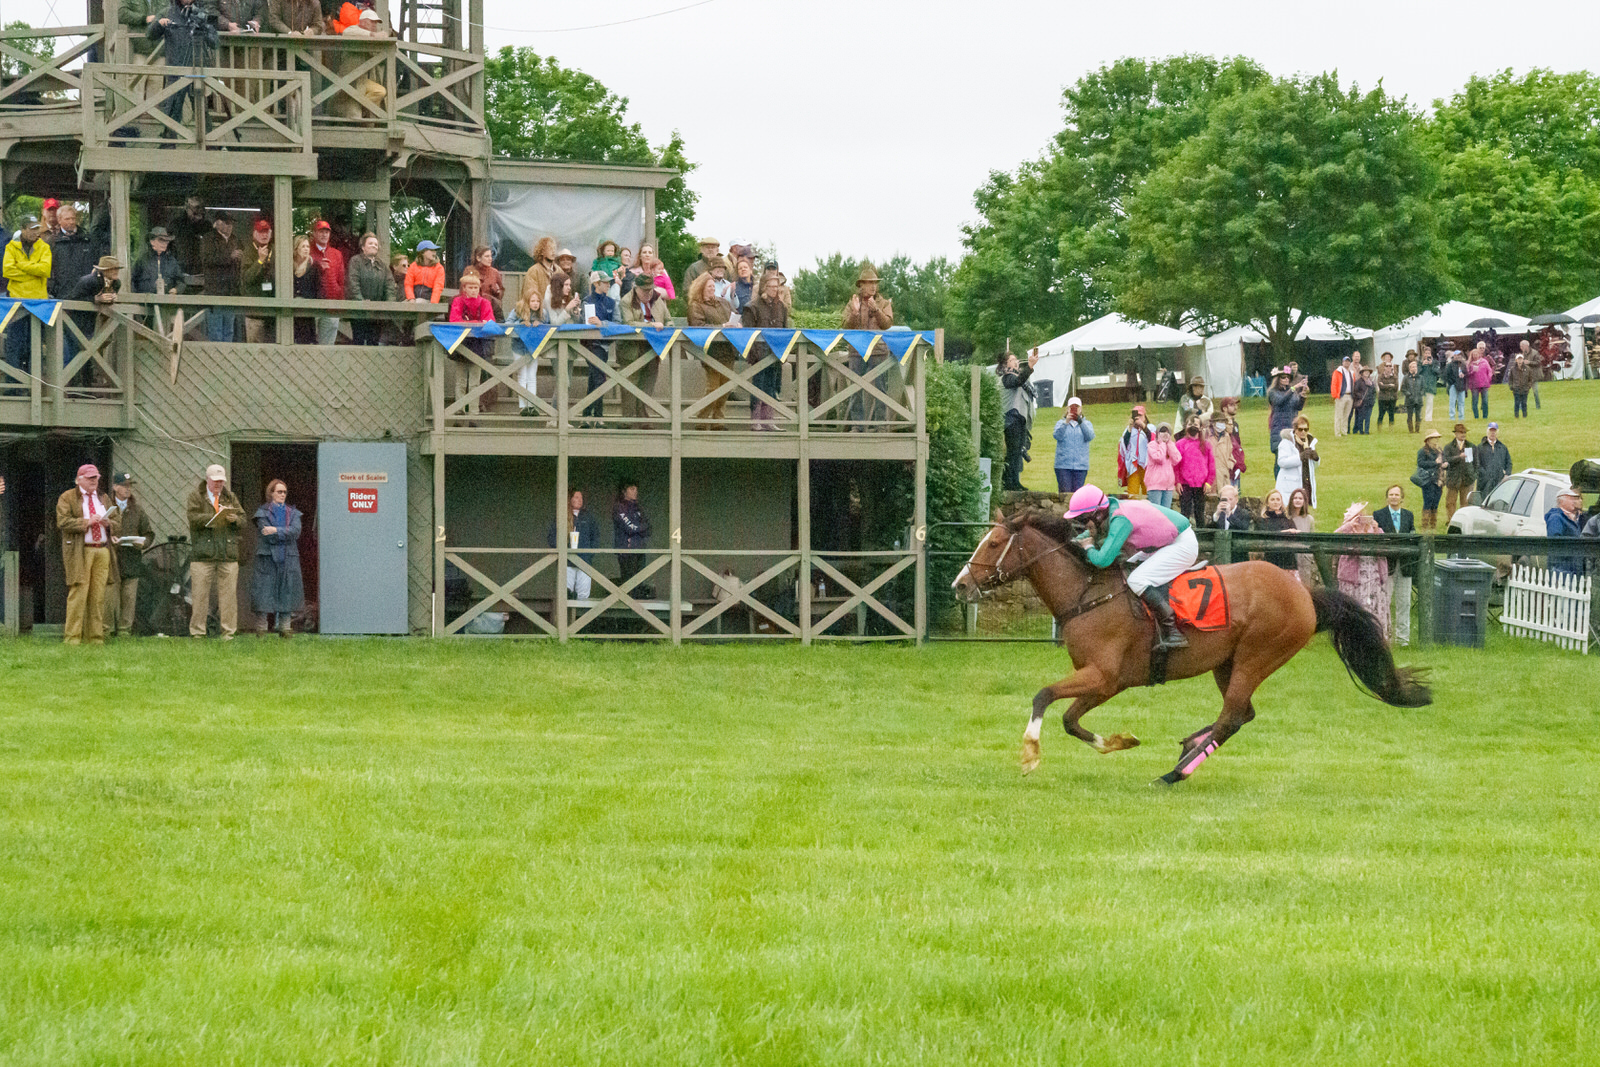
{"x":1171,"y":778}
{"x":1030,"y":755}
{"x":1118,"y":742}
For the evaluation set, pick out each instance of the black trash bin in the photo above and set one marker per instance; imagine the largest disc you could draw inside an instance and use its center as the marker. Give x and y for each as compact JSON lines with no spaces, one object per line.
{"x":1461,"y":590}
{"x":1044,"y":391}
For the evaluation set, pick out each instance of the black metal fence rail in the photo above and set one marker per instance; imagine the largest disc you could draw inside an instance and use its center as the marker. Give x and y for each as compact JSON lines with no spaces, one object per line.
{"x":1231,"y":546}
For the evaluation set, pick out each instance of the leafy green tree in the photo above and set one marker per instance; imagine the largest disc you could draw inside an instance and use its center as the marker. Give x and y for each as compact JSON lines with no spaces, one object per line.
{"x":537,"y":109}
{"x":919,"y":291}
{"x":1519,"y":187}
{"x":1297,"y":195}
{"x":1051,"y":236}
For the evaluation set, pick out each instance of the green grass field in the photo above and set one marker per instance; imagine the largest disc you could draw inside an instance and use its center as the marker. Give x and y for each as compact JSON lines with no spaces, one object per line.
{"x":1353,"y":468}
{"x":364,"y":852}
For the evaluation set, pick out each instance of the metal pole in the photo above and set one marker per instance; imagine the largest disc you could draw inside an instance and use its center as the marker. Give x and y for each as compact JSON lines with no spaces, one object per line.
{"x":1423,"y":593}
{"x":920,"y":547}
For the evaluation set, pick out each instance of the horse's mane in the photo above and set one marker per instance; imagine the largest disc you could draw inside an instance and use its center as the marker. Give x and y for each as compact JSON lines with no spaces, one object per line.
{"x":1049,"y":520}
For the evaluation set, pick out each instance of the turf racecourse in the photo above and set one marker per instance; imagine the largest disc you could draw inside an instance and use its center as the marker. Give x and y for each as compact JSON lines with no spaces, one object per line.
{"x":442,"y":853}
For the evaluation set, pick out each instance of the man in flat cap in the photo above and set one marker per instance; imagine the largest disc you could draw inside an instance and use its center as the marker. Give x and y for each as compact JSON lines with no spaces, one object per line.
{"x":215,"y":517}
{"x":88,"y":521}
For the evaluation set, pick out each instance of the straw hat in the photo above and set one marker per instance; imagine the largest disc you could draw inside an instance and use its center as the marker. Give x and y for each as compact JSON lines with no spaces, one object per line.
{"x":1358,"y":508}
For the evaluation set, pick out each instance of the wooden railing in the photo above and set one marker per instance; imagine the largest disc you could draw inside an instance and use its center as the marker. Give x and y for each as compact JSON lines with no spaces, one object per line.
{"x":34,"y":84}
{"x":241,"y":122}
{"x":440,"y":87}
{"x":582,"y":381}
{"x":79,"y":370}
{"x":352,"y":79}
{"x":776,"y":597}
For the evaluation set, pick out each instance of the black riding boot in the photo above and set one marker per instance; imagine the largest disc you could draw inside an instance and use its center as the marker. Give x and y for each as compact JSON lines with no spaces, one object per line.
{"x":1168,"y":635}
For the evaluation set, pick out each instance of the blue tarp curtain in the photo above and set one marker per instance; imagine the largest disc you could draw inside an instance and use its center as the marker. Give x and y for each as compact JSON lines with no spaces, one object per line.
{"x":900,"y":343}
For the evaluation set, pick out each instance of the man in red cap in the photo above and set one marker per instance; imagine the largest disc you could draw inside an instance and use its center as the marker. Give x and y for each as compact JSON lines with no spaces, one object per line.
{"x":51,"y":226}
{"x":256,"y":279}
{"x":331,"y":260}
{"x":87,"y":521}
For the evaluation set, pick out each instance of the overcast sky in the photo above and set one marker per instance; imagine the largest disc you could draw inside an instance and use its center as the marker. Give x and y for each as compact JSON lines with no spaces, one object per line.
{"x":864,"y":126}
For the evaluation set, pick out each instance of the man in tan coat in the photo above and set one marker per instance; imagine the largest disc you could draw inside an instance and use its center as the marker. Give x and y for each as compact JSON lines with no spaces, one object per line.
{"x":87,"y":521}
{"x":215,"y":516}
{"x":867,"y":310}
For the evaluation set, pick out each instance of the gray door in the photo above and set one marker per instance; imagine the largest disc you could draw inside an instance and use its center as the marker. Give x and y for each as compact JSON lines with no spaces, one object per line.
{"x":361,"y":537}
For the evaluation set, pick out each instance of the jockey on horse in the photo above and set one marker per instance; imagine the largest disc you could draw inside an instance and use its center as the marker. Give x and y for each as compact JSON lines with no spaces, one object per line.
{"x":1161,"y":535}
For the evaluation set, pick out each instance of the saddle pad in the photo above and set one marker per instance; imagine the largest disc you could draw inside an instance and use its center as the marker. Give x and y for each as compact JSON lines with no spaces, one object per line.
{"x":1199,"y":599}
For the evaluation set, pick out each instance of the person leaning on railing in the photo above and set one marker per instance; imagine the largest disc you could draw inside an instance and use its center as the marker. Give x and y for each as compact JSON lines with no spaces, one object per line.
{"x":646,"y":308}
{"x":257,"y":278}
{"x":425,"y":278}
{"x":307,"y":286}
{"x":221,"y":257}
{"x":26,"y":266}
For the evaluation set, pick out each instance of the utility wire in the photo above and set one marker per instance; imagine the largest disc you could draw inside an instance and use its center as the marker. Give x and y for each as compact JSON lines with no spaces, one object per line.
{"x":595,"y":26}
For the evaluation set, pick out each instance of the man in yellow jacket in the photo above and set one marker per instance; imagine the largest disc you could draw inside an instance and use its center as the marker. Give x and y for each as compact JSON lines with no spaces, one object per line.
{"x":87,"y":521}
{"x":26,"y":267}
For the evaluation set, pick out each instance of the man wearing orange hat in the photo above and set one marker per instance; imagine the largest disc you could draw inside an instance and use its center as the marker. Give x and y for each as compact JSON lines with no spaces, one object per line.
{"x":87,"y":521}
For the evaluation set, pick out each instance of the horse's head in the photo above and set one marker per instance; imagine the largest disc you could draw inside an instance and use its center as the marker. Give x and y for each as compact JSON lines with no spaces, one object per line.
{"x":1010,"y":547}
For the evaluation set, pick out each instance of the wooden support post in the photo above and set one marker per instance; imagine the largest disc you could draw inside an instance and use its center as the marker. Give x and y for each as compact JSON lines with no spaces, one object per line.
{"x":379,"y":211}
{"x":920,"y":532}
{"x":802,"y":403}
{"x":650,"y":218}
{"x":283,"y":252}
{"x":475,"y":46}
{"x":1422,"y":594}
{"x":478,"y":196}
{"x":439,"y":532}
{"x":12,"y":594}
{"x":118,"y":204}
{"x":675,"y":520}
{"x":562,"y":389}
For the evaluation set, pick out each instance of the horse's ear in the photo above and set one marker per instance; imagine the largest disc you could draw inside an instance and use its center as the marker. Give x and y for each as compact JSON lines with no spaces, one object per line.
{"x":999,"y":516}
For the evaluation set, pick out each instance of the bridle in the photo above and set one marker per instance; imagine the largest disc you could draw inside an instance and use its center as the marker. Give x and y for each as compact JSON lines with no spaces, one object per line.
{"x":1000,"y":576}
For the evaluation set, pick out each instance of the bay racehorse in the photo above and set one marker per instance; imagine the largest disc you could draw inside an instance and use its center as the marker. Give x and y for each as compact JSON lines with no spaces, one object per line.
{"x":1108,"y":634}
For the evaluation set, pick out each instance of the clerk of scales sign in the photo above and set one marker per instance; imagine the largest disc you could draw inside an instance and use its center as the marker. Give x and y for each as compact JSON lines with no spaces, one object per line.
{"x":362,"y":501}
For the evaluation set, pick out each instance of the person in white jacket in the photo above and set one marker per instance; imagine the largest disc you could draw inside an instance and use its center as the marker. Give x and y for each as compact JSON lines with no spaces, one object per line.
{"x":1297,"y":461}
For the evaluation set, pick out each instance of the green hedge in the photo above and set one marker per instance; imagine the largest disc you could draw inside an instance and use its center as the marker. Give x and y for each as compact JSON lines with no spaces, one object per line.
{"x":953,"y":480}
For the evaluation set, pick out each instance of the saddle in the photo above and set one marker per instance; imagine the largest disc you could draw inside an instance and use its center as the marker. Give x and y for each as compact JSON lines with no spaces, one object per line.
{"x":1199,"y":600}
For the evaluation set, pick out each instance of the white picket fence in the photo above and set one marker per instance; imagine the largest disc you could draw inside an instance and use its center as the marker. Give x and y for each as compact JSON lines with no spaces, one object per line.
{"x":1548,"y":606}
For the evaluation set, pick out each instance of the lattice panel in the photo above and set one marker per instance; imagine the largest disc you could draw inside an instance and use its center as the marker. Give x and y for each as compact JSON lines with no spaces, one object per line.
{"x":228,"y":392}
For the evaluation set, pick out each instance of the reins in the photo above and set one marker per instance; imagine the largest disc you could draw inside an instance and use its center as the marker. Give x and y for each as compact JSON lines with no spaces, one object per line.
{"x":1001,"y":576}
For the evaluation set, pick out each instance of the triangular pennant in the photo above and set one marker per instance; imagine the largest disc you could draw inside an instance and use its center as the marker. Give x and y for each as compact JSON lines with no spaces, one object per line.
{"x":781,"y":342}
{"x":534,"y":337}
{"x":45,"y":311}
{"x":12,"y":307}
{"x":901,"y":343}
{"x":742,"y":340}
{"x":862,"y":340}
{"x":700,"y":337}
{"x":660,"y":338}
{"x":823,"y":339}
{"x":449,"y":334}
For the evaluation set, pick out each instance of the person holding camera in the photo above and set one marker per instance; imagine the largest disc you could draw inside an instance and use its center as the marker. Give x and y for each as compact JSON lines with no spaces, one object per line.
{"x":1286,"y":402}
{"x":191,"y":40}
{"x":1073,"y":432}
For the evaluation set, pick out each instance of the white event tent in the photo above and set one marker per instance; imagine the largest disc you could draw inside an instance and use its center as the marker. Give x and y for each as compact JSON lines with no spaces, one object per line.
{"x":1225,"y":350}
{"x":1108,"y":333}
{"x":1453,"y":319}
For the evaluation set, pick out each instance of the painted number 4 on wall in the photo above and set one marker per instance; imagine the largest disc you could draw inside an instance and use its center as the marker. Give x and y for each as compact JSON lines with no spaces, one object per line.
{"x":363,"y":501}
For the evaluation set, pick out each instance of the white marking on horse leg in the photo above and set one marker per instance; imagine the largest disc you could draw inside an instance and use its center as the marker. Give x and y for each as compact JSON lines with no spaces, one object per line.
{"x":1032,"y":732}
{"x":1099,"y":744}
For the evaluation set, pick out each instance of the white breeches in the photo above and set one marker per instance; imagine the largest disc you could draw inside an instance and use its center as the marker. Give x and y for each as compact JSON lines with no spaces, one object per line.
{"x":1165,"y":564}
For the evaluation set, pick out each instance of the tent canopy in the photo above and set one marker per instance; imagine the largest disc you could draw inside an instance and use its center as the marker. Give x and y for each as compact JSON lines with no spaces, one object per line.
{"x":1225,"y":350}
{"x":1588,"y":307}
{"x":1108,"y":333}
{"x":1449,"y":321}
{"x":1113,"y":333}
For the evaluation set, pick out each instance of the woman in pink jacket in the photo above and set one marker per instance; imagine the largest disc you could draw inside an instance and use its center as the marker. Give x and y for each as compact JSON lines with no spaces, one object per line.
{"x":1161,"y":473}
{"x":1196,"y":469}
{"x":1480,"y":375}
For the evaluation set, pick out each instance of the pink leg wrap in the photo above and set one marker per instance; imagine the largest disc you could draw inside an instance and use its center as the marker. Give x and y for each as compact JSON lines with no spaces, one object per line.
{"x":1198,"y":755}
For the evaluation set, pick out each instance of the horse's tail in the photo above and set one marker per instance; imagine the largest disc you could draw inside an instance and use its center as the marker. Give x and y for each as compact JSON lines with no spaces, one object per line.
{"x":1358,"y":639}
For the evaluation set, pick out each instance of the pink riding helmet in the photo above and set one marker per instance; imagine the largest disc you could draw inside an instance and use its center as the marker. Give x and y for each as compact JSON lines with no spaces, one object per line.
{"x":1086,"y":500}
